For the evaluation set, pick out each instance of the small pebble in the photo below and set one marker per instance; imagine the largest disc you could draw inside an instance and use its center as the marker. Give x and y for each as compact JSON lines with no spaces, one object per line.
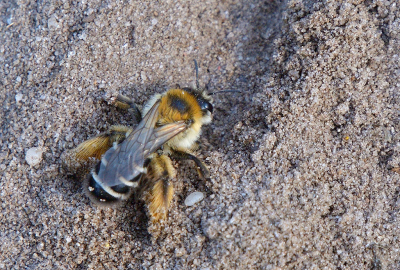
{"x":18,"y":97}
{"x":34,"y":156}
{"x":194,"y":198}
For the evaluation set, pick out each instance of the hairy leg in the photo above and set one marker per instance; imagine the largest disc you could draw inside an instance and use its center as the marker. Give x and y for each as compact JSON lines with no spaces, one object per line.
{"x":92,"y":150}
{"x":126,"y":103}
{"x":159,"y":188}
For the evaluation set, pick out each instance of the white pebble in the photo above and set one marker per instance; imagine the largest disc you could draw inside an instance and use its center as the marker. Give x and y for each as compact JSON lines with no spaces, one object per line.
{"x":18,"y":97}
{"x":52,"y":23}
{"x":194,"y":198}
{"x":34,"y":156}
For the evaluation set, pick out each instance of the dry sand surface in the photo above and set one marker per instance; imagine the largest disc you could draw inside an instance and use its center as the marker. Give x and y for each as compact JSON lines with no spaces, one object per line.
{"x":303,"y":162}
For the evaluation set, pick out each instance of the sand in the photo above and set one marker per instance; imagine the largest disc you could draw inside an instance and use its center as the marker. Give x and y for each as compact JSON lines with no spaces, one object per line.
{"x":303,"y":163}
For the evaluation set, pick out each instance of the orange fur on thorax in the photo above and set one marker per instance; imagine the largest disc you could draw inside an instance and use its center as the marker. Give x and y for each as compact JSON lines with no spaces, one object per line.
{"x":170,"y":115}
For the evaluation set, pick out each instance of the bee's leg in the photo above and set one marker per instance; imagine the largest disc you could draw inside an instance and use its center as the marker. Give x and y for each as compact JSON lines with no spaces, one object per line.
{"x":161,"y":191}
{"x":201,"y":167}
{"x":118,"y":133}
{"x":93,"y":149}
{"x":126,"y":103}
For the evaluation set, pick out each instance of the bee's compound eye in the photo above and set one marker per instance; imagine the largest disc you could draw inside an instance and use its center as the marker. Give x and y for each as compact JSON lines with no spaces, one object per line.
{"x":206,"y":106}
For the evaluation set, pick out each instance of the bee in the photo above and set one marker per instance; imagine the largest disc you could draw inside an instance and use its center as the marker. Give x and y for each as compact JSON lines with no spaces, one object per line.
{"x":140,"y":159}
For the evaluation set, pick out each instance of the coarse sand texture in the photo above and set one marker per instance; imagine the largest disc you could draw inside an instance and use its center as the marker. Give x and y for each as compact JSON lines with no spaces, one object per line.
{"x":304,"y":163}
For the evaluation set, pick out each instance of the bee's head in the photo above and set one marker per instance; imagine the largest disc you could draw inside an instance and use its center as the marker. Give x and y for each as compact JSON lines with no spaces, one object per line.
{"x":204,"y":100}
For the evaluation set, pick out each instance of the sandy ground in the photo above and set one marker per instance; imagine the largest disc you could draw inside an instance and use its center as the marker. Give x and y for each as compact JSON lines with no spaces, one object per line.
{"x":303,"y":163}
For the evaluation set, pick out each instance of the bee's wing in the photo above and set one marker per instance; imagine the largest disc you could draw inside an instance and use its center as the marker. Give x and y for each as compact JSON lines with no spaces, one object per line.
{"x":123,"y":163}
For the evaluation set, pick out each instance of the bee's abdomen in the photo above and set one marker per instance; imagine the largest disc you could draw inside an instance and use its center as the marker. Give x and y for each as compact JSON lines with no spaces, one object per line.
{"x":103,"y":194}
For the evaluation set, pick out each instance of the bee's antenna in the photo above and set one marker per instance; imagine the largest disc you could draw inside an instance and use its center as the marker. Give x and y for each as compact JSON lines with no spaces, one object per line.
{"x":196,"y":68}
{"x":224,"y":91}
